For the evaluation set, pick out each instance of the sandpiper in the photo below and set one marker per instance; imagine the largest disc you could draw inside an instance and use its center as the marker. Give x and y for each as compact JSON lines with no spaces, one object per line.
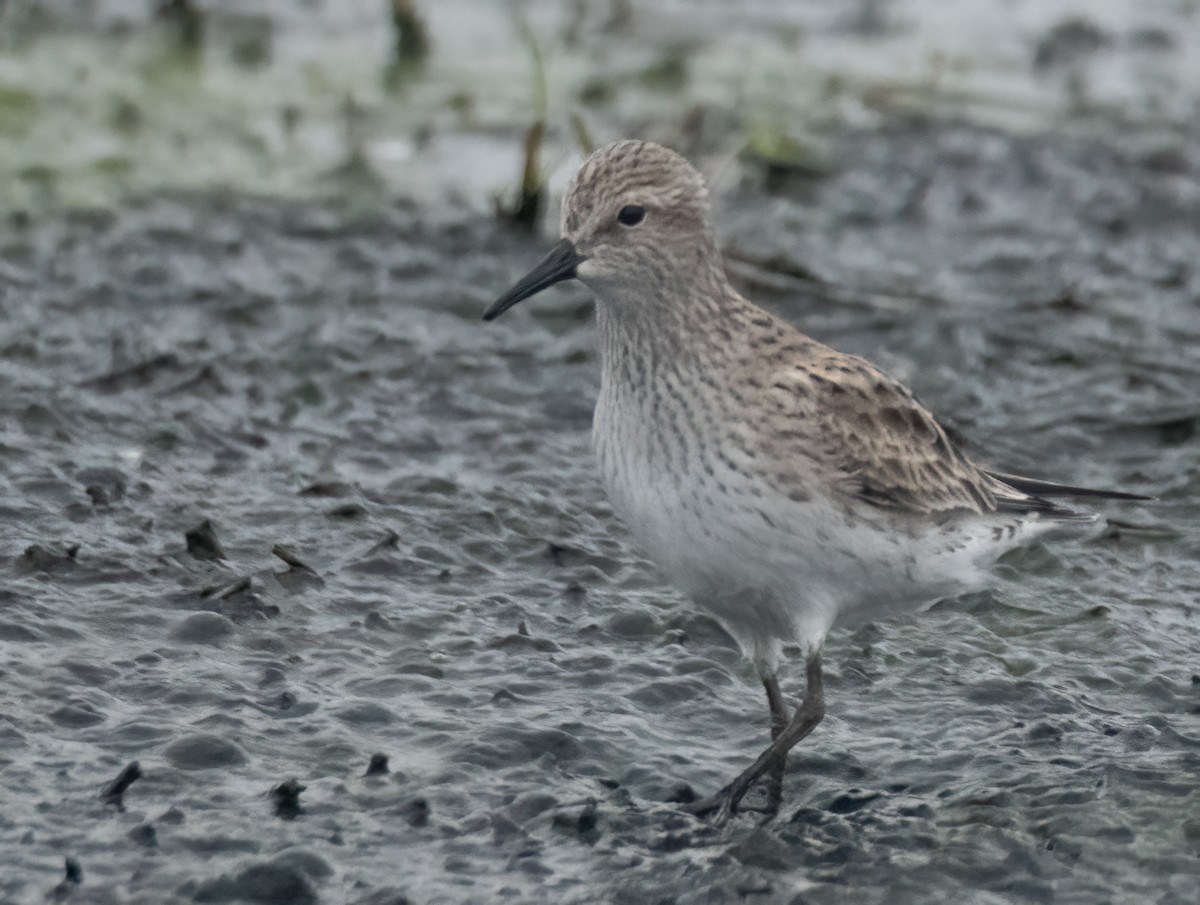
{"x":786,"y":487}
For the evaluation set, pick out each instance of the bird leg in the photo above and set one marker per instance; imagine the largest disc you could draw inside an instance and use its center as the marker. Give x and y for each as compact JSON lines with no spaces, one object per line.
{"x":779,"y":721}
{"x":810,"y":712}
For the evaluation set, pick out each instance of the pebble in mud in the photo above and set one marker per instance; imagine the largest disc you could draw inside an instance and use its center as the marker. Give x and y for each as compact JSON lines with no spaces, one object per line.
{"x":203,"y":628}
{"x":204,"y":752}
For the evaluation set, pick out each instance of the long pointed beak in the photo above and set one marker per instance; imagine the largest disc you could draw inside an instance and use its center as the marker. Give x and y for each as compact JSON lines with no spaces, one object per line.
{"x":557,"y":266}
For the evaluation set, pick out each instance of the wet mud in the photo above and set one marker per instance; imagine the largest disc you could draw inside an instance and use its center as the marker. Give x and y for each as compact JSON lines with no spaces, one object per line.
{"x":311,"y":594}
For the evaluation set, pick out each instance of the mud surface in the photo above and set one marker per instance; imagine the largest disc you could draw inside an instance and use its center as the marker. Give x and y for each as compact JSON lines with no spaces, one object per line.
{"x":308,"y":591}
{"x":273,"y":501}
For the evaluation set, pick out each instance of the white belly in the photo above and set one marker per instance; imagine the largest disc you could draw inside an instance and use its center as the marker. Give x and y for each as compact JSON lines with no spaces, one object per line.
{"x":772,"y":569}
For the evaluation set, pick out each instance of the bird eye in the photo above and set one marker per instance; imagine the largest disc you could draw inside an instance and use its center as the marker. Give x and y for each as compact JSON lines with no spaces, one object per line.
{"x":631,"y":215}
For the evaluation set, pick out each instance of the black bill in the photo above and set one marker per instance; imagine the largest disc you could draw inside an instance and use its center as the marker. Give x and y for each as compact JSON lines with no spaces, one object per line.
{"x":557,"y":266}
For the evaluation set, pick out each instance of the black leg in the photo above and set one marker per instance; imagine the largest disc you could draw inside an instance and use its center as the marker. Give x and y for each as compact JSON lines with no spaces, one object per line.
{"x":810,"y":713}
{"x":779,"y":721}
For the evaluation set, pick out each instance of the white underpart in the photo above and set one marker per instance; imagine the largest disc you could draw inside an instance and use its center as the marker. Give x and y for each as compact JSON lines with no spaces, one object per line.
{"x":772,"y":570}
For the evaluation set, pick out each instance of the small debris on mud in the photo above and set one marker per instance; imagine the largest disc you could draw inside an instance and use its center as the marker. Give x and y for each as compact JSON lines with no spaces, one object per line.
{"x":202,"y":542}
{"x":286,"y":796}
{"x":114,"y":792}
{"x":378,"y":765}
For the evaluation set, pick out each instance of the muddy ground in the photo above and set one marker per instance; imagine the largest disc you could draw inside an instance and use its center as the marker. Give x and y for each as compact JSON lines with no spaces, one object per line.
{"x":274,"y":502}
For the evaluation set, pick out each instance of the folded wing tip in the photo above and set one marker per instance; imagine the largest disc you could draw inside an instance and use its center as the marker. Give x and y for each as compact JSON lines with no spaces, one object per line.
{"x":1038,"y":488}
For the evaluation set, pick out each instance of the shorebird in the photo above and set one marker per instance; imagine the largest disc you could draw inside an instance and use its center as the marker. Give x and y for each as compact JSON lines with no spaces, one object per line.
{"x":786,"y":487}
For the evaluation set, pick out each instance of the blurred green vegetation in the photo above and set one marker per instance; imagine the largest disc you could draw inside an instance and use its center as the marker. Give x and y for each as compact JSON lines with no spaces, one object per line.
{"x":481,"y":100}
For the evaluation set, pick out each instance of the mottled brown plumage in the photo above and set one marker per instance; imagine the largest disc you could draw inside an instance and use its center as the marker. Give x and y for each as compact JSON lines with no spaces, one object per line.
{"x":888,"y":448}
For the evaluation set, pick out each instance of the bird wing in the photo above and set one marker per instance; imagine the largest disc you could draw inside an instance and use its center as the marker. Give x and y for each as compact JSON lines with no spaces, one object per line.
{"x":884,"y":447}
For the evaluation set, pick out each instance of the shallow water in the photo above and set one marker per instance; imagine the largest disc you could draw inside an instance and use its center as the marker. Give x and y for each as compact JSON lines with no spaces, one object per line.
{"x":320,"y":380}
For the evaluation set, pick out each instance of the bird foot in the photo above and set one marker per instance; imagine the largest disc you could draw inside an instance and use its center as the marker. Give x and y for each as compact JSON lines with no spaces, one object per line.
{"x":728,"y":802}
